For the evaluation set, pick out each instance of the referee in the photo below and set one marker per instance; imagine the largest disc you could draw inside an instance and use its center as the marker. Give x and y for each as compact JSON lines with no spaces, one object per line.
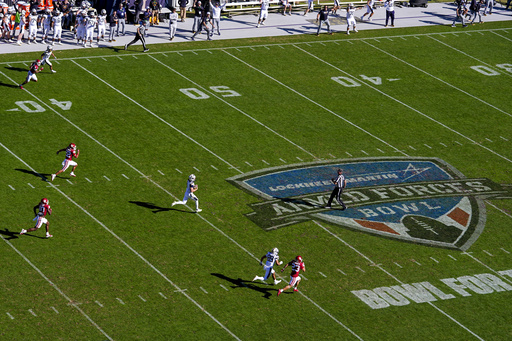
{"x":339,"y":183}
{"x":139,"y":36}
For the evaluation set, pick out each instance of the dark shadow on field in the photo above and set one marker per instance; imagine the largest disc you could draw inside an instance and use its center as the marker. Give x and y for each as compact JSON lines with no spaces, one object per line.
{"x":240,"y":283}
{"x":439,"y":15}
{"x":12,"y":68}
{"x":39,"y":175}
{"x":158,"y":209}
{"x":8,"y":85}
{"x":10,"y":235}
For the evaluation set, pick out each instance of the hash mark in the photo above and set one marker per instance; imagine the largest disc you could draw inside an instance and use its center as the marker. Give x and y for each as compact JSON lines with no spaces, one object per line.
{"x":341,"y":272}
{"x":380,"y":150}
{"x":304,"y":277}
{"x":322,"y":274}
{"x":442,"y":144}
{"x":223,"y":287}
{"x":452,"y":257}
{"x":298,"y":158}
{"x":196,"y":169}
{"x":120,"y":300}
{"x":412,"y":147}
{"x":350,"y":42}
{"x":365,"y":152}
{"x":179,"y":54}
{"x":503,"y":138}
{"x":349,"y":154}
{"x":487,"y":252}
{"x":398,"y":265}
{"x":135,"y":57}
{"x":281,"y":46}
{"x":12,"y":317}
{"x":248,"y":163}
{"x":435,"y":260}
{"x":106,"y":177}
{"x":162,"y":295}
{"x":403,"y":38}
{"x":282,"y":160}
{"x":125,"y":176}
{"x":360,"y":269}
{"x":142,"y":298}
{"x":178,"y":170}
{"x":89,"y":60}
{"x":210,"y":52}
{"x":159,"y":171}
{"x":32,"y":312}
{"x":415,"y":261}
{"x":88,"y":180}
{"x":98,"y":303}
{"x":103,"y":59}
{"x":488,"y":139}
{"x":265,"y":162}
{"x":194,"y":53}
{"x":460,"y":144}
{"x":69,"y":181}
{"x":12,"y":188}
{"x":181,"y":290}
{"x":55,"y":310}
{"x":426,"y":145}
{"x":164,"y":55}
{"x":214,"y":167}
{"x":502,"y":249}
{"x":30,"y":185}
{"x":332,"y":156}
{"x":120,"y":58}
{"x":203,"y":290}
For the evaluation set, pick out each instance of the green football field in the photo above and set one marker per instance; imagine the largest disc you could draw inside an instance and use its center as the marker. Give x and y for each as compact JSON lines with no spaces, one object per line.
{"x":124,"y":264}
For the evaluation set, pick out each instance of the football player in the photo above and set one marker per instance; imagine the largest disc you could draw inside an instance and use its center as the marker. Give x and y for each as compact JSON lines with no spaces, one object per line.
{"x":297,"y":265}
{"x":57,"y":26}
{"x":40,"y":210}
{"x":71,"y":152}
{"x":35,"y":68}
{"x":47,"y":22}
{"x":102,"y":20}
{"x":272,"y":258}
{"x":33,"y":20}
{"x":189,"y":193}
{"x":45,"y":57}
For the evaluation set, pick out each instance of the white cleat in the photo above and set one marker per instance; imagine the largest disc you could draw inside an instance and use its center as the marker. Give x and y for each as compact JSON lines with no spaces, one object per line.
{"x":72,"y":174}
{"x":277,"y":282}
{"x":254,"y":279}
{"x":174,"y":203}
{"x":48,"y":235}
{"x":23,"y":231}
{"x":53,"y":71}
{"x":53,"y":176}
{"x":199,"y":210}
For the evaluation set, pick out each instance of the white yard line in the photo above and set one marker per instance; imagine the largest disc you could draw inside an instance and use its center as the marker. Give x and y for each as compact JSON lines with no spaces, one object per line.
{"x":438,"y":79}
{"x":396,"y":279}
{"x":310,"y":100}
{"x":120,"y":240}
{"x":152,"y":113}
{"x":406,"y":105}
{"x":53,"y":285}
{"x":470,"y":56}
{"x":233,"y":107}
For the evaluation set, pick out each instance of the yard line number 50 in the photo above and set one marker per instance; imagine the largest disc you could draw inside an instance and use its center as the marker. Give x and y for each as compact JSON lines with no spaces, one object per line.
{"x":224,"y":91}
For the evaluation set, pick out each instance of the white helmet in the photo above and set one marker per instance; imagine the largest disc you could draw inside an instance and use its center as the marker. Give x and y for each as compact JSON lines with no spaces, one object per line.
{"x":192,"y":177}
{"x":103,"y":12}
{"x":49,"y":48}
{"x":275,"y":251}
{"x":34,"y":12}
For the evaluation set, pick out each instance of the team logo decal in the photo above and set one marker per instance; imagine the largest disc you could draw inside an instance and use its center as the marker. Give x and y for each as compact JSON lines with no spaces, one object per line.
{"x":421,"y":200}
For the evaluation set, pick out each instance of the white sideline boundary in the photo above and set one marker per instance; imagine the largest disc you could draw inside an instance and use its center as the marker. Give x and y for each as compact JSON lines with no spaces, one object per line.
{"x":396,"y":279}
{"x":122,"y":242}
{"x":232,"y":106}
{"x":52,"y":284}
{"x":408,"y":106}
{"x":170,"y":194}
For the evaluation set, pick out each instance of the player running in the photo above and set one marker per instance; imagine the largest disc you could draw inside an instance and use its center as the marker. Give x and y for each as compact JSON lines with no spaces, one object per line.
{"x":297,"y":265}
{"x":272,"y":257}
{"x":45,"y":57}
{"x":71,"y":152}
{"x":40,"y":210}
{"x":189,"y":193}
{"x":35,"y":68}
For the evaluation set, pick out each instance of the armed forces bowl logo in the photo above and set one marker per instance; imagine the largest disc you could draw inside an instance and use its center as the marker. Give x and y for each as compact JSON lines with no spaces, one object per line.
{"x":421,"y":200}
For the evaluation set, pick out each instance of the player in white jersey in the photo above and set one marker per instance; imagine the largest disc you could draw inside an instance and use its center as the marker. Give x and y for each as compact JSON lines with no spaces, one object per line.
{"x":189,"y":193}
{"x":23,"y":22}
{"x":173,"y":23}
{"x":264,"y":4}
{"x":272,"y":258}
{"x":45,"y":58}
{"x":47,"y":23}
{"x":80,"y":27}
{"x":102,"y":23}
{"x":33,"y":19}
{"x":90,"y":25}
{"x":369,"y":10}
{"x":57,"y":26}
{"x":351,"y":19}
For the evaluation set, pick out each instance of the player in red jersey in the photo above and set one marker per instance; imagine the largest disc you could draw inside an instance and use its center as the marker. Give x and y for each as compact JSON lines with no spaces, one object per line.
{"x":40,"y":210}
{"x":71,"y":152}
{"x":35,"y":68}
{"x":297,"y":265}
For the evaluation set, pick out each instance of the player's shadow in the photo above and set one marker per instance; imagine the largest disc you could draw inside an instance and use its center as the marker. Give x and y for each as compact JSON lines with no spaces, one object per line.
{"x":8,"y":85}
{"x":151,"y":206}
{"x":240,"y":283}
{"x":44,"y":177}
{"x":19,"y":69}
{"x":8,"y":234}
